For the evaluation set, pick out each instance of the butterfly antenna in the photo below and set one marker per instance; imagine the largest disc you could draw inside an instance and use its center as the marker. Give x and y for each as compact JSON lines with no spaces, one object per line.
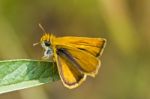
{"x":35,"y":44}
{"x":42,"y":28}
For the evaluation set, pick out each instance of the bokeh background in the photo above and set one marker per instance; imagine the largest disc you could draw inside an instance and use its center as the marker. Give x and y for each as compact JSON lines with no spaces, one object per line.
{"x":125,"y":71}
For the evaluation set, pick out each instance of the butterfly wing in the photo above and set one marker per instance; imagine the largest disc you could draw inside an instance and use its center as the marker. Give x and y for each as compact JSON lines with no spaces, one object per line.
{"x":93,"y":46}
{"x":69,"y":74}
{"x":82,"y":60}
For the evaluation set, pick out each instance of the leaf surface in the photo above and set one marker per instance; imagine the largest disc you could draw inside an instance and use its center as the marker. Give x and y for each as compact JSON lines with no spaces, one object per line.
{"x":24,"y":73}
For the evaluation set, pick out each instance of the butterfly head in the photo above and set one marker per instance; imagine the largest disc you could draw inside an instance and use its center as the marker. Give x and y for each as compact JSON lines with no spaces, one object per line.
{"x":46,"y":43}
{"x":46,"y":40}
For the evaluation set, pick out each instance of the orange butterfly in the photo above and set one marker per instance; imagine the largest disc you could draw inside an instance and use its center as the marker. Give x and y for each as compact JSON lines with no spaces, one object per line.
{"x":76,"y":57}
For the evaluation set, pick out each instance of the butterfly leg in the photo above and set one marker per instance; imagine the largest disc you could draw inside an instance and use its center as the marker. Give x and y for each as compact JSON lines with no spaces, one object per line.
{"x":48,"y":54}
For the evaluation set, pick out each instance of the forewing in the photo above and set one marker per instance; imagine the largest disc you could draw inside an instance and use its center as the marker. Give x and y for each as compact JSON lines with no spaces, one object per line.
{"x":93,"y":46}
{"x":69,"y":74}
{"x":84,"y":61}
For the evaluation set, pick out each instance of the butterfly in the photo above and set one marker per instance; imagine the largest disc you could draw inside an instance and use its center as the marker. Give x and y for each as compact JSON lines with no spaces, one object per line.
{"x":75,"y":57}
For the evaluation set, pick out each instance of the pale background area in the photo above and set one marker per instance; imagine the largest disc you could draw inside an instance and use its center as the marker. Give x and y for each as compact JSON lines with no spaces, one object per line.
{"x":125,"y":63}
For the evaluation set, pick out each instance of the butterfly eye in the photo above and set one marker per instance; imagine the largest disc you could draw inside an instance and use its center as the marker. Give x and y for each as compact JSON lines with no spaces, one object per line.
{"x":47,"y":43}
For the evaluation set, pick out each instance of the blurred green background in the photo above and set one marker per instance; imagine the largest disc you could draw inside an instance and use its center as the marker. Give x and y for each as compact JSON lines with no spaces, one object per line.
{"x":125,"y":24}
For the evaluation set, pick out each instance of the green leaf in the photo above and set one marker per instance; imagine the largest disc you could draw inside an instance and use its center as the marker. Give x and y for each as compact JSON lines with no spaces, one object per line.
{"x":24,"y":73}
